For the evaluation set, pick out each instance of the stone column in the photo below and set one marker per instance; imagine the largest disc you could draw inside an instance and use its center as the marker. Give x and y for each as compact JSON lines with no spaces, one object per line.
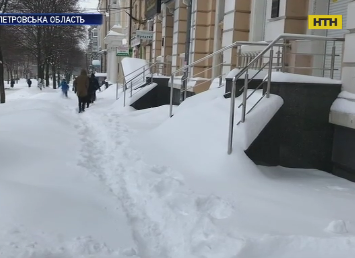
{"x":114,"y":65}
{"x":292,"y":18}
{"x":167,"y":35}
{"x":235,"y":28}
{"x":156,"y":43}
{"x":348,"y":70}
{"x":179,"y":34}
{"x":202,"y":37}
{"x":108,"y":62}
{"x":257,"y":20}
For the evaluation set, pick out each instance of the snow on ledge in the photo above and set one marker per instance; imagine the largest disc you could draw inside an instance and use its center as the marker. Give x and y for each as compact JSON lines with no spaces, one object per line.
{"x":347,"y":95}
{"x":251,"y":74}
{"x":337,"y":227}
{"x":345,"y":103}
{"x":299,"y":78}
{"x":137,"y":94}
{"x":100,"y":74}
{"x":257,"y":119}
{"x":342,"y":111}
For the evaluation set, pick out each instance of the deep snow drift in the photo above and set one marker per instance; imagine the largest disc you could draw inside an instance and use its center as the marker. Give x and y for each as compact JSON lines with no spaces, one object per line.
{"x":257,"y":211}
{"x":137,"y":182}
{"x":49,"y":202}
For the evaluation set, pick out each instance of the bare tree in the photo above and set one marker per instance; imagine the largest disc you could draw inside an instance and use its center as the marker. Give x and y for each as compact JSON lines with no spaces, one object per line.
{"x":12,"y":53}
{"x":3,"y":6}
{"x":41,"y":41}
{"x":64,"y":42}
{"x":55,"y":49}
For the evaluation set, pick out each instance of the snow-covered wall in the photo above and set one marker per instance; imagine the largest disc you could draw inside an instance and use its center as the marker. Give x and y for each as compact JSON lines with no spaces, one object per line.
{"x":133,"y":69}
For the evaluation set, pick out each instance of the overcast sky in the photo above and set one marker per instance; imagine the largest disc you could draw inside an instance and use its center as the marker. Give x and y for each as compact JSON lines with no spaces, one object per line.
{"x":89,"y":5}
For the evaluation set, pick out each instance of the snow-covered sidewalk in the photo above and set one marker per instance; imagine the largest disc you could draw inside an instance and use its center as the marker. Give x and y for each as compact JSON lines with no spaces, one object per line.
{"x":50,"y":203}
{"x":113,"y":182}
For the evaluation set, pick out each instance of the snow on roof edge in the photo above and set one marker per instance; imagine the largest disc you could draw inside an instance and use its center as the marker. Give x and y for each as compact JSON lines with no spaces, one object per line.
{"x":299,"y":78}
{"x":251,"y":73}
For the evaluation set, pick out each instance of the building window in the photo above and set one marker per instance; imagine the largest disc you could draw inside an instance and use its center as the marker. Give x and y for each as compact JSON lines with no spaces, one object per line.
{"x":275,"y":8}
{"x":94,"y":33}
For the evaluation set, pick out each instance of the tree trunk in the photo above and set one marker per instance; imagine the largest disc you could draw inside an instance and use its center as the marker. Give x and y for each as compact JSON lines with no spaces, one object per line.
{"x":2,"y":86}
{"x":8,"y":76}
{"x":39,"y":53}
{"x":11,"y":74}
{"x":58,"y":79}
{"x":47,"y":74}
{"x":54,"y":77}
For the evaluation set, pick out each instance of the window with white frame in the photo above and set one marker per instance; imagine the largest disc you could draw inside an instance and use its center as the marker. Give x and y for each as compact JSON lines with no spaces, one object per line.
{"x":94,"y":33}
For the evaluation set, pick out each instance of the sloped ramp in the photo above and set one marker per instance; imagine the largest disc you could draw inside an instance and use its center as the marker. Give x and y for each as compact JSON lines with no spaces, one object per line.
{"x":144,"y":96}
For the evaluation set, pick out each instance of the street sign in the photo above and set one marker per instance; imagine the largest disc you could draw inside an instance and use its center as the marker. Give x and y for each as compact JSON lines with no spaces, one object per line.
{"x":122,"y":54}
{"x":122,"y":51}
{"x":144,"y":34}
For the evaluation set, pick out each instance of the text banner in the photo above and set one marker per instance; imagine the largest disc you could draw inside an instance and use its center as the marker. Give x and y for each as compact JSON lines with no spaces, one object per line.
{"x":51,"y":19}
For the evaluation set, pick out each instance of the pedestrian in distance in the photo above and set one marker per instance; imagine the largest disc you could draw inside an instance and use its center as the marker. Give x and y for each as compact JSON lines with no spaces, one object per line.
{"x":65,"y":87}
{"x":29,"y":82}
{"x":90,"y":93}
{"x":94,"y":86}
{"x":81,"y":86}
{"x":73,"y":88}
{"x":12,"y":83}
{"x":40,"y":83}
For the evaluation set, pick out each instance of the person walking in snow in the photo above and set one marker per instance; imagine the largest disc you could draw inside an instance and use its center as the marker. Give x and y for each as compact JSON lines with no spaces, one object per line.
{"x":29,"y":82}
{"x":90,"y":93}
{"x":12,"y":83}
{"x":65,"y":87}
{"x":81,"y":86}
{"x":40,"y":83}
{"x":94,"y":86}
{"x":73,"y":88}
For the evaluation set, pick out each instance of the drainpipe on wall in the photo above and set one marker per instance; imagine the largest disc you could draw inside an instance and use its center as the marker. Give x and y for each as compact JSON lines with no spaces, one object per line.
{"x":216,"y":69}
{"x":183,"y":88}
{"x":130,"y":25}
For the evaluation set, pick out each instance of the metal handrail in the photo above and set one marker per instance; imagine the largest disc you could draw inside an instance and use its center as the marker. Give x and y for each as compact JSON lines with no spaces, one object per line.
{"x":245,"y":69}
{"x":150,"y":65}
{"x":141,"y":73}
{"x":235,"y":44}
{"x":135,"y":70}
{"x":207,"y":69}
{"x":284,"y":36}
{"x":144,"y":66}
{"x":135,"y":79}
{"x":208,"y":80}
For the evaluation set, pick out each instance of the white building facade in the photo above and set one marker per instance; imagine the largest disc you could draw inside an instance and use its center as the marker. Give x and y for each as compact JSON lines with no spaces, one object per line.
{"x":112,"y":34}
{"x":270,"y":18}
{"x":248,"y":20}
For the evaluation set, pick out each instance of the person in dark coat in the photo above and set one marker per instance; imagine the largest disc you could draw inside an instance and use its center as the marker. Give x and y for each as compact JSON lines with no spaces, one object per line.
{"x":90,"y":93}
{"x":94,"y":86}
{"x":12,"y":83}
{"x":29,"y":82}
{"x":81,"y":86}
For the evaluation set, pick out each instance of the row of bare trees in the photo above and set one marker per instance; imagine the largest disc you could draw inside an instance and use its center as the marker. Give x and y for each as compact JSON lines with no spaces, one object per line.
{"x":54,"y":49}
